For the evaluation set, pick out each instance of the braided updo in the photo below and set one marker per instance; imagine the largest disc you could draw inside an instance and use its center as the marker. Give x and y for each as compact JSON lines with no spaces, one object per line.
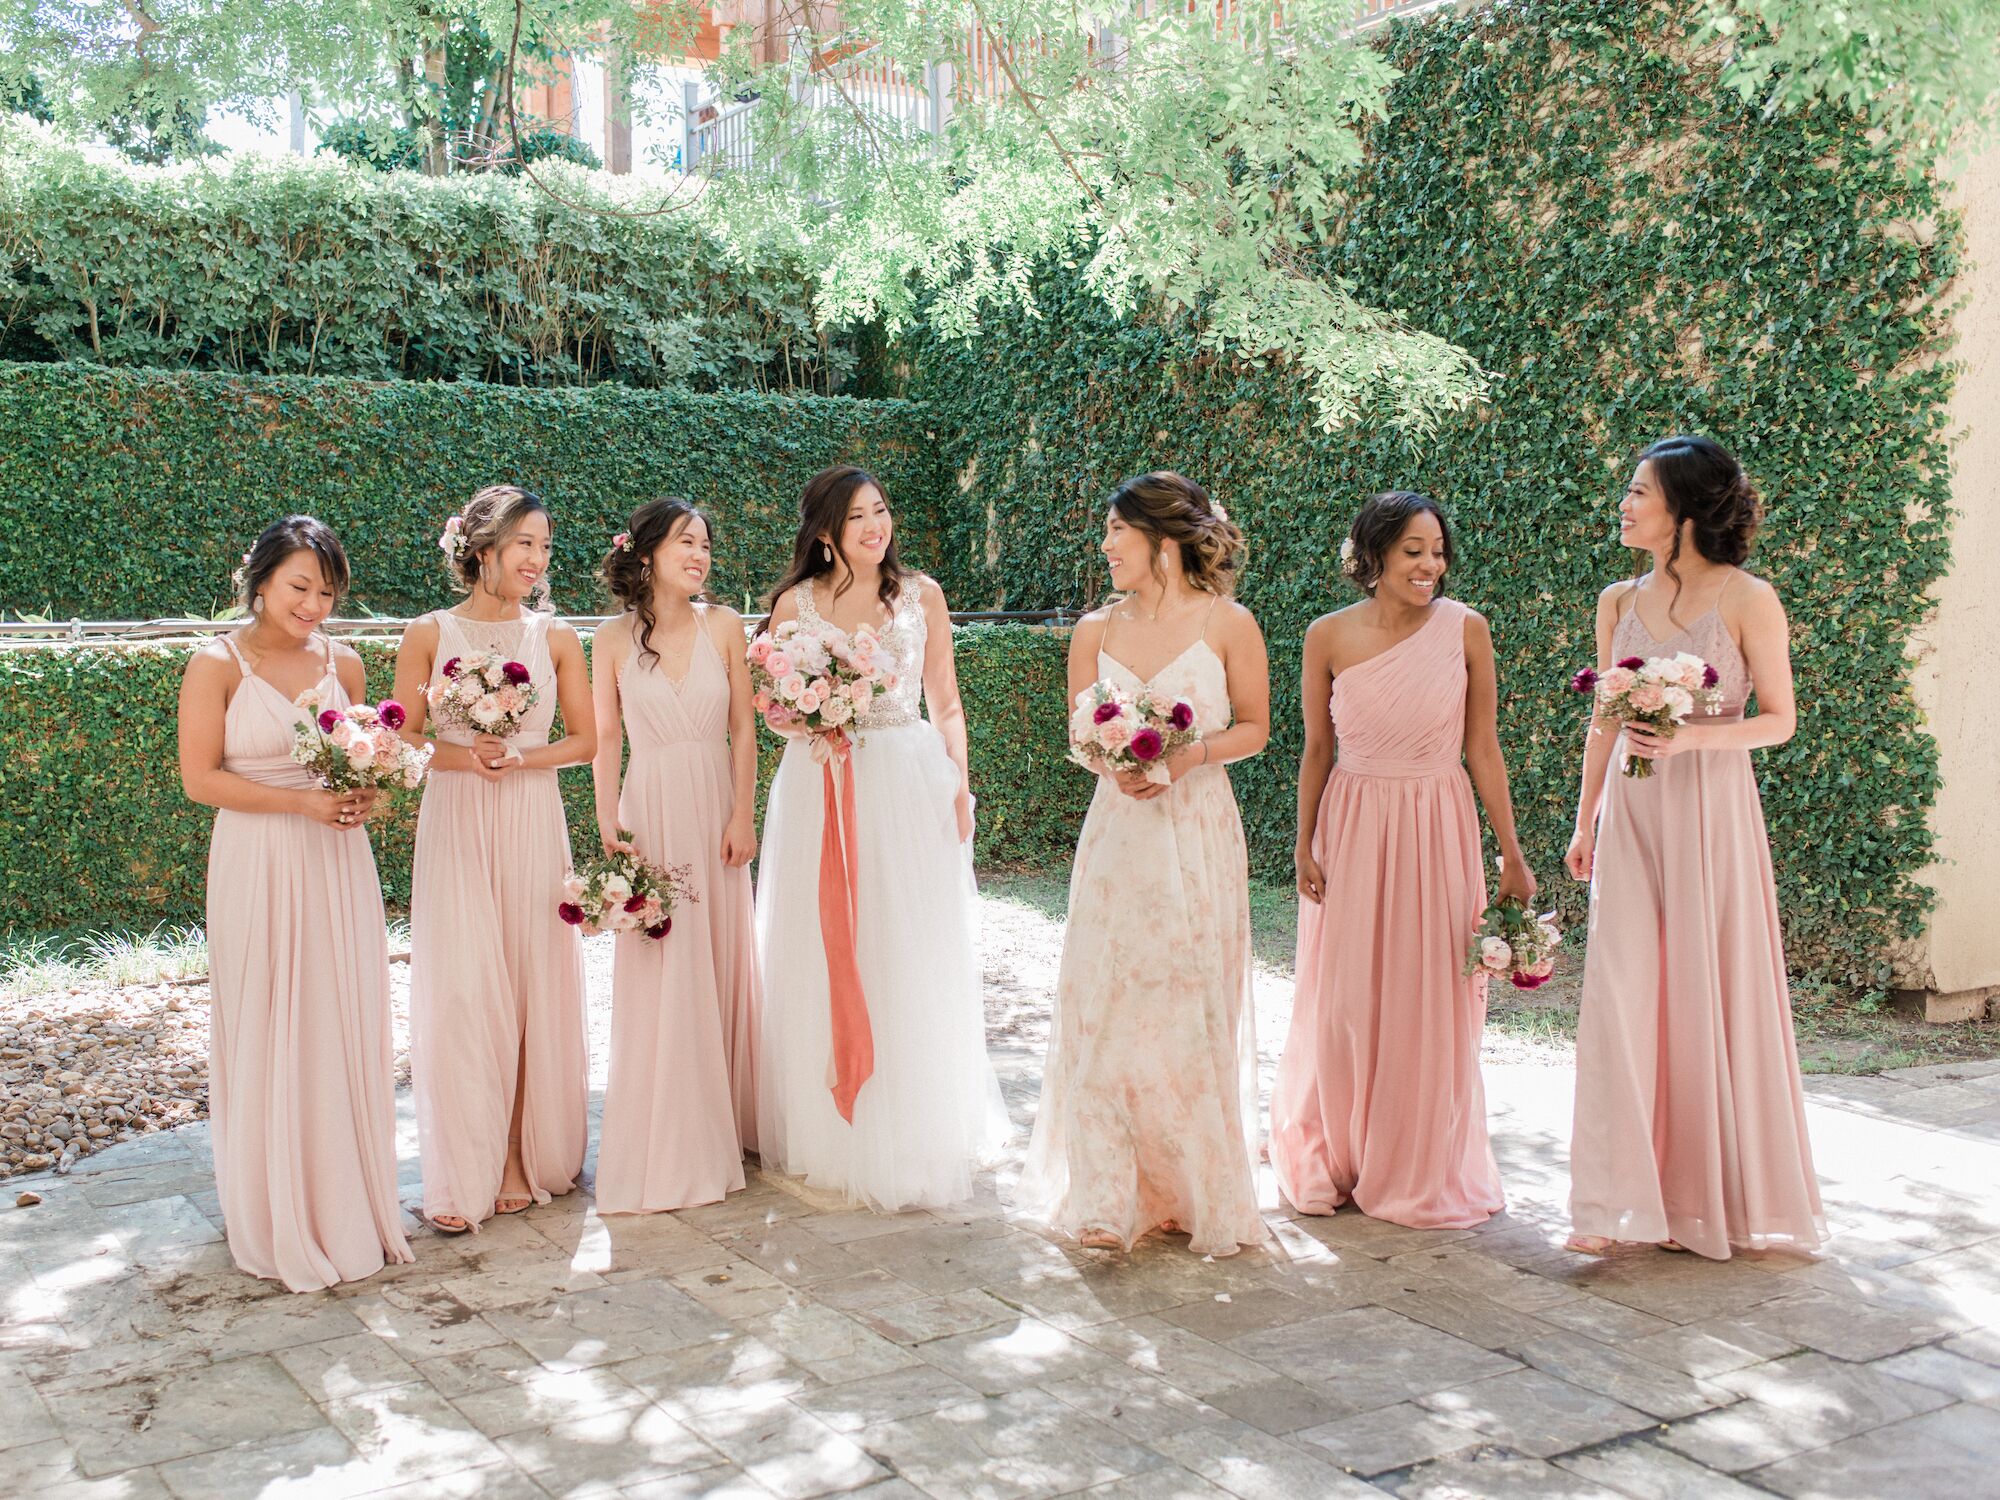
{"x":1164,"y":504}
{"x":489,"y":518}
{"x":1703,"y":483}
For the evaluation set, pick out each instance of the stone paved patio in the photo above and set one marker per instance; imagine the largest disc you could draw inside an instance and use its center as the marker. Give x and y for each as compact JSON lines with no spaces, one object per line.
{"x":778,"y":1346}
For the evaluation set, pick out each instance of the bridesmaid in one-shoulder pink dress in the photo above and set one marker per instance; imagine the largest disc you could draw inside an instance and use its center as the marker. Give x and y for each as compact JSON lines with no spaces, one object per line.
{"x":301,"y":1083}
{"x":680,"y":1105}
{"x":1378,"y":1097}
{"x":1690,"y":1125}
{"x":497,"y":1046}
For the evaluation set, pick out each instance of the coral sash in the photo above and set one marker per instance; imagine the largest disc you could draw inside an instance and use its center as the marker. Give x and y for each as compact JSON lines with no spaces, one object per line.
{"x":839,"y":877}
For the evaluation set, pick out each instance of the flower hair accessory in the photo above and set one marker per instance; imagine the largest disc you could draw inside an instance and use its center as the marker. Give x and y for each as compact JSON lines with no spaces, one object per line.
{"x":623,"y":541}
{"x":1220,"y":514}
{"x":453,"y":539}
{"x":242,"y":572}
{"x":1348,"y":566}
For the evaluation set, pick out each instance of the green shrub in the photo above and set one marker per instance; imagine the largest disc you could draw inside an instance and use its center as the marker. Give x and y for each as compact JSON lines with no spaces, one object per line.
{"x":95,"y":834}
{"x":1562,"y":189}
{"x":289,"y":266}
{"x":132,"y":495}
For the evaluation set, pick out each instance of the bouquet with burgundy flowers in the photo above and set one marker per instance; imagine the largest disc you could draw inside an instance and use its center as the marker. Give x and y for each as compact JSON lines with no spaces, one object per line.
{"x":818,"y":678}
{"x":1516,"y":942}
{"x":1113,"y":730}
{"x":349,"y":748}
{"x":620,"y":892}
{"x":484,"y":693}
{"x":1658,"y":692}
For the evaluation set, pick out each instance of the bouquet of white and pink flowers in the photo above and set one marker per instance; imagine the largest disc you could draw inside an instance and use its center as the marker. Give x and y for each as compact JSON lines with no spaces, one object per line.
{"x":358,"y":746}
{"x":1514,"y":941}
{"x":1658,"y":692}
{"x":1112,"y":730}
{"x":485,"y":693}
{"x":817,"y":678}
{"x":620,"y":892}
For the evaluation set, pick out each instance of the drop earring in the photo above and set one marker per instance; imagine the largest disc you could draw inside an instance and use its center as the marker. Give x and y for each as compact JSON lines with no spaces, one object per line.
{"x":826,"y":551}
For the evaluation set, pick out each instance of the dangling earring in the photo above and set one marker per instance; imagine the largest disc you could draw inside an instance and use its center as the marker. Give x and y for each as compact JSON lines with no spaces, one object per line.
{"x":645,"y":572}
{"x":257,"y":605}
{"x":826,"y":551}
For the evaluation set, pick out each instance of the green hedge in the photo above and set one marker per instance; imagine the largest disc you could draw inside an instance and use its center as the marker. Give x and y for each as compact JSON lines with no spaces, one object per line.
{"x":127,"y":494}
{"x":94,"y":831}
{"x":1562,"y":189}
{"x":317,"y":267}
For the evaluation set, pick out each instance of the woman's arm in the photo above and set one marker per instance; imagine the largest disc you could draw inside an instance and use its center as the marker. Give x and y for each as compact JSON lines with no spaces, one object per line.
{"x":607,"y":655}
{"x":1599,"y":736}
{"x":414,"y":658}
{"x":1756,"y":618}
{"x":204,"y":708}
{"x":1488,"y":767}
{"x":1316,"y":762}
{"x":579,"y":741}
{"x":947,"y":709}
{"x":739,"y":837}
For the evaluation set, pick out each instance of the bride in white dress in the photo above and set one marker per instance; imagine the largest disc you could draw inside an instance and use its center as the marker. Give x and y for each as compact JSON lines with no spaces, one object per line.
{"x":930,"y":1111}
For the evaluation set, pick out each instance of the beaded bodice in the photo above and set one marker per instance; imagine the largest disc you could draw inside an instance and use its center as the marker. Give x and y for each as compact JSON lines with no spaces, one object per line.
{"x":903,"y":641}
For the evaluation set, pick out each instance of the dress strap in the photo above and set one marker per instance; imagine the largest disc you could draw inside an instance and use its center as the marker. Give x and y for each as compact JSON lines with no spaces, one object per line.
{"x":229,"y":642}
{"x":808,"y":605}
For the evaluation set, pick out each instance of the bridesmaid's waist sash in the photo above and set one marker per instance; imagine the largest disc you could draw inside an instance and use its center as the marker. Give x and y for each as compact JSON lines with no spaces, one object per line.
{"x":1383,"y":765}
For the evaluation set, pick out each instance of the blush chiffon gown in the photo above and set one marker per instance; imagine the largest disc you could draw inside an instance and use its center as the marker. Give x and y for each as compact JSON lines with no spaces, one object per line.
{"x":1148,"y":1112}
{"x":496,"y":977}
{"x":1379,"y":1099}
{"x":1690,"y":1122}
{"x":301,"y":1084}
{"x":680,"y":1104}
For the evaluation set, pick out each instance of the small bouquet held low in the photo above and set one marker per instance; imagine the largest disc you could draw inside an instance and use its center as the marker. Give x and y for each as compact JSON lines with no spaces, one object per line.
{"x":1510,"y":940}
{"x":818,"y":679}
{"x":1113,"y":730}
{"x":484,"y":693}
{"x":1656,"y":692}
{"x":621,"y":892}
{"x":349,"y":748}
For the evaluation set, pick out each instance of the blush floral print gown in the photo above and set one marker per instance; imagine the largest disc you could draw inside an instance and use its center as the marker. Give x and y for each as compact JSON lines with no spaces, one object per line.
{"x":1149,"y":1096}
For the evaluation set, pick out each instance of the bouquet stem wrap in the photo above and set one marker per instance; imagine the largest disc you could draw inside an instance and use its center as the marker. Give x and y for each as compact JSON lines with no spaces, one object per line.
{"x":853,"y":1058}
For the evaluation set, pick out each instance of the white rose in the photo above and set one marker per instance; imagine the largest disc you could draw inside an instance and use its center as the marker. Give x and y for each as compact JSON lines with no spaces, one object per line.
{"x":1495,"y":954}
{"x":836,"y":710}
{"x":617,"y":889}
{"x":1680,"y":702}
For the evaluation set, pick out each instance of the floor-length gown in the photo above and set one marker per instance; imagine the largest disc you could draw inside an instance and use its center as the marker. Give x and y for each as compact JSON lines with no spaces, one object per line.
{"x":931,"y":1111}
{"x":1690,"y":1123}
{"x":496,"y":977}
{"x":1149,"y":1099}
{"x":683,"y":1007}
{"x":1379,"y":1099}
{"x":301,"y":1076}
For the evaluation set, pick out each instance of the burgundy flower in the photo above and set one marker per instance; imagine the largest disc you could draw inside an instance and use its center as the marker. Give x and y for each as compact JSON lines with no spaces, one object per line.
{"x":1105,"y":713}
{"x":571,"y":913}
{"x":327,"y":719}
{"x":1632,"y":663}
{"x":1584,"y":681}
{"x":1146,"y":744}
{"x":391,"y":713}
{"x":662,"y":930}
{"x":1710,"y":677}
{"x":1181,"y":717}
{"x":450,"y":668}
{"x":635,"y":903}
{"x":1530,"y":981}
{"x":514,"y":672}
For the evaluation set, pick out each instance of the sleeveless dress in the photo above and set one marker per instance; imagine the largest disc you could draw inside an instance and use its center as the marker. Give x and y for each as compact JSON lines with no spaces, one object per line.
{"x":683,"y":1009}
{"x":1378,"y":1097}
{"x":301,"y":1078}
{"x":931,"y":1112}
{"x":1690,"y":1122}
{"x":1149,"y":1095}
{"x":496,"y":977}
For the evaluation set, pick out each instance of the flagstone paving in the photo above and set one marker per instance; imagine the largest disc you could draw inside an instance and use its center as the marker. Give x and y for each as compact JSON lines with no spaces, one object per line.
{"x":779,"y":1345}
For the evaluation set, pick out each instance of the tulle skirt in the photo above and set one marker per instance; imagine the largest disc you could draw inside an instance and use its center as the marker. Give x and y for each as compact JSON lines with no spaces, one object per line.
{"x":931,"y":1112}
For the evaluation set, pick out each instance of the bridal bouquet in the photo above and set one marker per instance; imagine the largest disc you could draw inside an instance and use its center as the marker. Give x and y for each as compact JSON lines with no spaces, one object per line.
{"x":623,"y":893}
{"x":1112,"y":729}
{"x":1658,"y":692}
{"x":349,"y":748}
{"x":1514,"y":941}
{"x":817,"y":678}
{"x":484,"y":693}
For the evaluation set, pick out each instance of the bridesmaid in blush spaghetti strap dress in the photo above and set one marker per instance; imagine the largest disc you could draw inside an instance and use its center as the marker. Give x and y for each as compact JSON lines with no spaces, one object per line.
{"x":497,"y":1048}
{"x":301,"y":1085}
{"x":1690,"y":1126}
{"x":1379,"y":1098}
{"x":680,"y":1105}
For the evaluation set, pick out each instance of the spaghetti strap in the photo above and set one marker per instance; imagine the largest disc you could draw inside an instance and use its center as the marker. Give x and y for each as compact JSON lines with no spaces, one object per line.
{"x":228,"y":639}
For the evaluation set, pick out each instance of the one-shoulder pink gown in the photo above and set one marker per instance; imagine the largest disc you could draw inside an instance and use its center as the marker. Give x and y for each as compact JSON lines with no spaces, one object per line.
{"x":1690,"y":1123}
{"x":681,"y":1104}
{"x":496,"y":977}
{"x":1378,"y":1097}
{"x":301,"y":1077}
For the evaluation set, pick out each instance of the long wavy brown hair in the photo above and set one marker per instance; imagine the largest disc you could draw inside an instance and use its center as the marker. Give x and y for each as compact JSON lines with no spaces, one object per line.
{"x":1165,"y":504}
{"x":822,"y":514}
{"x":626,"y":572}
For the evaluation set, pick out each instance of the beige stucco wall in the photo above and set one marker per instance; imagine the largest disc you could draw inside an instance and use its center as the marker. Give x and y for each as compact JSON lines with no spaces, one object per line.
{"x":1953,"y":672}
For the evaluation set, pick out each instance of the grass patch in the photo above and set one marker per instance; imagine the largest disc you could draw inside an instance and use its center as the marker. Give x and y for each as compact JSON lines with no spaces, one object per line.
{"x":37,"y":966}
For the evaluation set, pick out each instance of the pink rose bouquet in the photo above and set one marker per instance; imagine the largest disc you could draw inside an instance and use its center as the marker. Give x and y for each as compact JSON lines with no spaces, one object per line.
{"x":358,"y":746}
{"x":818,"y":679}
{"x":1658,"y":692}
{"x":1514,"y":941}
{"x":1112,"y":730}
{"x":623,"y":893}
{"x":484,"y":693}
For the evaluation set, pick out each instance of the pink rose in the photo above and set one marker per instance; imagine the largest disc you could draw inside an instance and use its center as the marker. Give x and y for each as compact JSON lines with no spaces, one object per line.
{"x":858,"y":693}
{"x":1616,"y":680}
{"x":1649,"y":697}
{"x":1495,"y":954}
{"x":761,"y":701}
{"x":808,"y":701}
{"x":340,"y":731}
{"x":779,"y":665}
{"x":1114,"y":734}
{"x":512,"y":699}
